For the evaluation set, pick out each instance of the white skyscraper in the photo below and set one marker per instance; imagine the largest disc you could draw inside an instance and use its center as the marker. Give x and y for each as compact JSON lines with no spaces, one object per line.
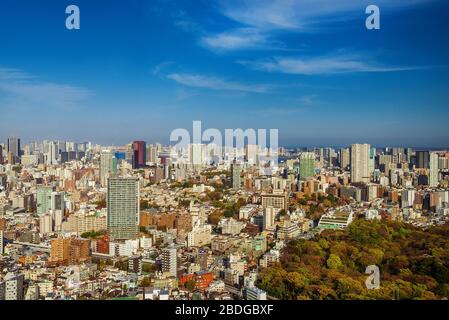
{"x":151,"y":154}
{"x":360,"y":157}
{"x":252,"y":154}
{"x":433,"y":164}
{"x":1,"y":242}
{"x":53,"y":153}
{"x":45,"y":223}
{"x":269,"y":217}
{"x":197,"y":154}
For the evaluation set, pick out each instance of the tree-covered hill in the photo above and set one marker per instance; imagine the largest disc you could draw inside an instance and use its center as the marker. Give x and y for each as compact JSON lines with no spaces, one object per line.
{"x":414,"y":264}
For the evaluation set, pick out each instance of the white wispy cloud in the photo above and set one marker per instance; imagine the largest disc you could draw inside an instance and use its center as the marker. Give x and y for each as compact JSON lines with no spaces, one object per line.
{"x":260,"y":19}
{"x":22,"y":89}
{"x":321,"y":65}
{"x":184,"y":94}
{"x":185,"y":22}
{"x":159,"y":67}
{"x":8,"y":74}
{"x":215,"y":83}
{"x":242,"y":38}
{"x":298,"y":14}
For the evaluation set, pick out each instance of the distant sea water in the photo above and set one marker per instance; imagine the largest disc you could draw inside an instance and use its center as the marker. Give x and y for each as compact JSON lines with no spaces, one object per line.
{"x":300,"y":148}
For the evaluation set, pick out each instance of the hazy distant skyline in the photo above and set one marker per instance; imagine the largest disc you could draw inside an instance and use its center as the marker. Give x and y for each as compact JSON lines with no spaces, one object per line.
{"x":139,"y":69}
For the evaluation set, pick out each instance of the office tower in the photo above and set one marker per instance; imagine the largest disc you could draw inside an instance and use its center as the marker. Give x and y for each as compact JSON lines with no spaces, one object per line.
{"x":372,"y":156}
{"x":344,"y":158}
{"x":422,"y":159}
{"x":1,"y":154}
{"x":57,"y":201}
{"x":1,"y":242}
{"x":360,"y":156}
{"x":384,"y":162}
{"x":397,"y":151}
{"x":165,"y":162}
{"x":268,"y":217}
{"x":197,"y":153}
{"x":140,"y":154}
{"x":28,"y":149}
{"x":443,"y":163}
{"x":408,"y":197}
{"x":213,"y":153}
{"x":409,"y":153}
{"x":129,"y":153}
{"x":13,"y":147}
{"x":169,"y":261}
{"x":333,"y":157}
{"x":252,"y":154}
{"x":61,"y":146}
{"x":152,"y":154}
{"x":108,"y":167}
{"x":306,"y":165}
{"x":57,"y":217}
{"x":433,"y":173}
{"x":84,"y":146}
{"x":45,"y":223}
{"x":52,"y":154}
{"x":148,"y":152}
{"x":43,"y":196}
{"x":45,"y":146}
{"x":236,"y":170}
{"x":328,"y":155}
{"x":71,"y":146}
{"x":123,"y":208}
{"x":64,"y":156}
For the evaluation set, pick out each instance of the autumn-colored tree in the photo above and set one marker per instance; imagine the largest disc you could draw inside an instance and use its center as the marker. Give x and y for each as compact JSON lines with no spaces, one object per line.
{"x":334,"y":262}
{"x":414,"y":263}
{"x":215,"y":217}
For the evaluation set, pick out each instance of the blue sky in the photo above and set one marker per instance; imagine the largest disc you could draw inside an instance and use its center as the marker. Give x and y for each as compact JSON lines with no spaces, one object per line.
{"x":139,"y":69}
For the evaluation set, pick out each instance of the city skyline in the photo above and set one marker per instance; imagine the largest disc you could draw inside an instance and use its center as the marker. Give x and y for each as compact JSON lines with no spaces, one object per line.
{"x":319,"y":76}
{"x":289,"y":147}
{"x":224,"y":156}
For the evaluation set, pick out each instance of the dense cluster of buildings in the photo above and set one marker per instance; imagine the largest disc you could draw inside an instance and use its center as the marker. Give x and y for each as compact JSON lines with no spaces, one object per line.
{"x":84,"y":221}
